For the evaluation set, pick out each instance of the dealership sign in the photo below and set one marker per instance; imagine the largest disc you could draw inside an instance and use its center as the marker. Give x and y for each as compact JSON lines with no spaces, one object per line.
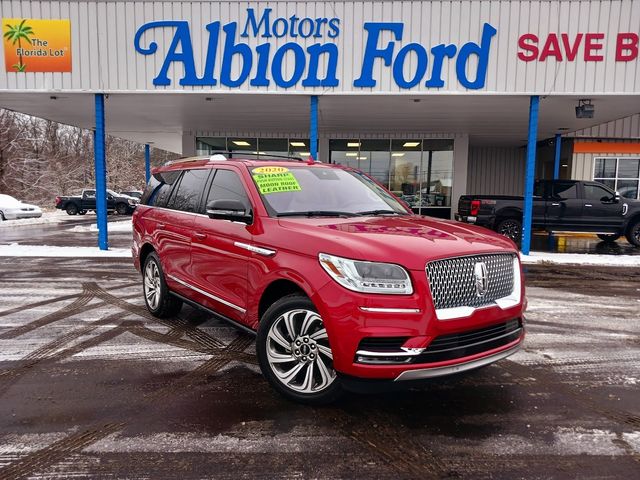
{"x":36,"y":45}
{"x":316,"y":64}
{"x":265,"y":63}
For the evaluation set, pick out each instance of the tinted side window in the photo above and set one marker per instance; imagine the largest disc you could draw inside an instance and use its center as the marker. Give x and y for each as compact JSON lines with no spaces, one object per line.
{"x":187,"y":195}
{"x":149,"y":189}
{"x":227,"y":185}
{"x":565,"y":190}
{"x":539,"y":189}
{"x":596,"y":193}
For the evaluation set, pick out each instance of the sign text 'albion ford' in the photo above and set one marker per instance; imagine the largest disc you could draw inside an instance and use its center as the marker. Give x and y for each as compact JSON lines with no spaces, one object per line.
{"x":313,"y":66}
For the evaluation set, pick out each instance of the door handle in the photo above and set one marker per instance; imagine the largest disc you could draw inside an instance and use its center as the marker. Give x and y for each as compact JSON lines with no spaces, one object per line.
{"x":161,"y":226}
{"x":555,"y":204}
{"x":199,"y":236}
{"x":588,"y":205}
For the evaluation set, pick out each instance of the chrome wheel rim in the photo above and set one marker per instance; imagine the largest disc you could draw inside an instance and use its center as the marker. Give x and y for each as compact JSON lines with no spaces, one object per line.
{"x":510,"y":230}
{"x":298,"y":352}
{"x":152,"y":285}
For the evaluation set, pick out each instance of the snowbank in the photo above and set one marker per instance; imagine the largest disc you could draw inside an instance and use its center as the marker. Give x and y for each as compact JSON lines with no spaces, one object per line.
{"x":125,"y":226}
{"x":15,"y":250}
{"x":581,"y":259}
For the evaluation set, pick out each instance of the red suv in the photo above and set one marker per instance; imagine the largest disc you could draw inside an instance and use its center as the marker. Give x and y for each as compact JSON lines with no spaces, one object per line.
{"x":343,"y":285}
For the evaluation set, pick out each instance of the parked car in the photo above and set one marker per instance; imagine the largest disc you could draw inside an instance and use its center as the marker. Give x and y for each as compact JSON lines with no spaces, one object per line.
{"x":132,"y":193}
{"x":12,"y":209}
{"x":86,"y":202}
{"x":344,"y":287}
{"x":558,"y":205}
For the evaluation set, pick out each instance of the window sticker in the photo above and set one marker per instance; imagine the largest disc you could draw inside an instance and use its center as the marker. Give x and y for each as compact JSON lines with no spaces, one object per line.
{"x":275,"y":180}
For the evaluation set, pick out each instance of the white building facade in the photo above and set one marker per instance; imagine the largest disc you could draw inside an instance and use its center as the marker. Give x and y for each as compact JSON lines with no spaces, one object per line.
{"x":430,"y":97}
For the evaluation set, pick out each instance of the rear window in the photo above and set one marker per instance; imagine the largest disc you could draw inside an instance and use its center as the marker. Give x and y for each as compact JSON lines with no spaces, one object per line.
{"x":565,"y":190}
{"x":186,"y":196}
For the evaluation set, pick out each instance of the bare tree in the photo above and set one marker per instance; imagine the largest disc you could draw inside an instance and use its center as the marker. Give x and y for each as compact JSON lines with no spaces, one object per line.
{"x":40,"y":159}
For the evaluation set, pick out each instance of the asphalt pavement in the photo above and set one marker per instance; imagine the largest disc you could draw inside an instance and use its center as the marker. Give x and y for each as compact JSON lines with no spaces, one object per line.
{"x":92,"y":386}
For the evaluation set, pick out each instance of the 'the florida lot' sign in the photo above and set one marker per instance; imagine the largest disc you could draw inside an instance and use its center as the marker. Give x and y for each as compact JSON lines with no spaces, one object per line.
{"x":36,"y":45}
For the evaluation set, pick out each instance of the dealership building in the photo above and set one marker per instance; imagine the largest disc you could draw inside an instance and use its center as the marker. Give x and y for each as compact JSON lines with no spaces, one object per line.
{"x":435,"y":99}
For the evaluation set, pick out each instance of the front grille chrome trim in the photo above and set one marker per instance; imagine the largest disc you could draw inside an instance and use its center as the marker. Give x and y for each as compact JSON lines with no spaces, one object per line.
{"x":462,"y":311}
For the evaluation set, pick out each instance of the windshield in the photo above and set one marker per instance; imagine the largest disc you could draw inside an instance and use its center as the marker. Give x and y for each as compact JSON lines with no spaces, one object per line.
{"x":314,"y":191}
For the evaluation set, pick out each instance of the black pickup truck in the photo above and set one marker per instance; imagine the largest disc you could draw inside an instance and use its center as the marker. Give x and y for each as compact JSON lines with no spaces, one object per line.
{"x":79,"y":205}
{"x":558,"y":206}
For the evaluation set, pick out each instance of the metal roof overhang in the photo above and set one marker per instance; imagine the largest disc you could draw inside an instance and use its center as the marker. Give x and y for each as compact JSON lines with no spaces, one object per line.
{"x":162,"y":118}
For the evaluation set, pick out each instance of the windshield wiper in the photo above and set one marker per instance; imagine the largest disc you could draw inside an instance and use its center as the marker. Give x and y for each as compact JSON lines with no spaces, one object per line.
{"x":380,"y":212}
{"x":317,"y":213}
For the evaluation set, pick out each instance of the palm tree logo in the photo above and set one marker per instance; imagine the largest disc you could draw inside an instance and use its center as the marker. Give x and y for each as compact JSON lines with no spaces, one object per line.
{"x":15,"y":34}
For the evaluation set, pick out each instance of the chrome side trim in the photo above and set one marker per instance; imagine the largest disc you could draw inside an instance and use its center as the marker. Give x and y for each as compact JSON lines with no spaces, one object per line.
{"x":451,"y":369}
{"x":259,"y":250}
{"x":207,"y":294}
{"x":390,"y":310}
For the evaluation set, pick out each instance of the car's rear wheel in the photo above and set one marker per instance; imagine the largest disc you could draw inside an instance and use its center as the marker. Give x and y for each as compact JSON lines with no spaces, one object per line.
{"x":122,"y":208}
{"x":510,"y":228}
{"x":1,"y":217}
{"x":294,"y":352}
{"x":633,"y":233}
{"x":72,"y":209}
{"x":608,"y":237}
{"x":159,"y":301}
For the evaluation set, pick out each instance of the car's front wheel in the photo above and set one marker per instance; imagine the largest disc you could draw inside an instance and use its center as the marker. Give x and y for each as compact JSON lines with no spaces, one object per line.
{"x":633,"y":233}
{"x":294,"y":352}
{"x":159,"y":301}
{"x":122,"y":208}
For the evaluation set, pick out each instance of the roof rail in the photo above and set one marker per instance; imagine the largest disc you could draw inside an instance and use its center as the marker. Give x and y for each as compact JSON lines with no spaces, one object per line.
{"x":239,"y":155}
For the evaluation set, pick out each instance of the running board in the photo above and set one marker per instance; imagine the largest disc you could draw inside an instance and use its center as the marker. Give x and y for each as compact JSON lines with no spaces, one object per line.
{"x":233,"y":323}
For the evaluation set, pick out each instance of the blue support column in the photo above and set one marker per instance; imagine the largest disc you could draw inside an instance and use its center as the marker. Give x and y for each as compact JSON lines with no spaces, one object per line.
{"x":530,"y":174}
{"x":313,"y":127}
{"x":556,"y":162}
{"x":147,"y":162}
{"x":101,"y":173}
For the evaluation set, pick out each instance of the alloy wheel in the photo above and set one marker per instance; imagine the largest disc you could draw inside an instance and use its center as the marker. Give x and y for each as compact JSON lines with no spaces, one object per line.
{"x":298,"y":352}
{"x":510,"y":229}
{"x":152,"y":285}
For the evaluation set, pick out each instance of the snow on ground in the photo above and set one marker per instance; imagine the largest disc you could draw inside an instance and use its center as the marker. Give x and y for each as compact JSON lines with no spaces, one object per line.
{"x":46,"y":218}
{"x":15,"y":250}
{"x":582,"y":259}
{"x":124,"y":226}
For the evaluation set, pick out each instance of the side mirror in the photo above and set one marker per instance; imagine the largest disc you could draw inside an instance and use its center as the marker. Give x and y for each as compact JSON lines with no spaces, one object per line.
{"x":233,"y":210}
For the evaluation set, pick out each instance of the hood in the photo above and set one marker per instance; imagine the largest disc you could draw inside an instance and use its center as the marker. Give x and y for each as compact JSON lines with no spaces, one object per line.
{"x":410,"y":241}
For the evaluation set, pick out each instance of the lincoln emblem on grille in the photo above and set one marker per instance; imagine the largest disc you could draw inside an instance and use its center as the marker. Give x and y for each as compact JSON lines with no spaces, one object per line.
{"x":482,"y":278}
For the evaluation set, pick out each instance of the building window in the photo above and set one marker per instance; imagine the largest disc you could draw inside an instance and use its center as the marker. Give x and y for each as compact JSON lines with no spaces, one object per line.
{"x":621,"y":174}
{"x":420,"y":172}
{"x":297,"y":147}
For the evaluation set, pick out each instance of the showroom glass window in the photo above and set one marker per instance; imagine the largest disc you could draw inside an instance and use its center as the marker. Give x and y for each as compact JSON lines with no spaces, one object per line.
{"x":418,"y":171}
{"x":297,"y":147}
{"x":621,"y":174}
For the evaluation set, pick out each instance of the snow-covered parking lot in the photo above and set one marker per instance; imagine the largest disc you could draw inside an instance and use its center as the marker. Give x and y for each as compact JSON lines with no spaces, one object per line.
{"x":92,"y":386}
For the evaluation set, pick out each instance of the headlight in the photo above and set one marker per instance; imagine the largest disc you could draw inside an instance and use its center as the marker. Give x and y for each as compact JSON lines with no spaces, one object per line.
{"x":131,"y":201}
{"x":367,"y":277}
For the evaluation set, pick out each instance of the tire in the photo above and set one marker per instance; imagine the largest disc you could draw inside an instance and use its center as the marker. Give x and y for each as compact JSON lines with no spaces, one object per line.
{"x":1,"y":217}
{"x":122,"y":208}
{"x":633,"y":233}
{"x":157,"y":298}
{"x":510,"y":228}
{"x":608,"y":238}
{"x":72,"y":209}
{"x":82,"y":212}
{"x":308,"y":376}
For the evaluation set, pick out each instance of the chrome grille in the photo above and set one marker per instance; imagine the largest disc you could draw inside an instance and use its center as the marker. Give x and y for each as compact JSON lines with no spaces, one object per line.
{"x":453,"y":284}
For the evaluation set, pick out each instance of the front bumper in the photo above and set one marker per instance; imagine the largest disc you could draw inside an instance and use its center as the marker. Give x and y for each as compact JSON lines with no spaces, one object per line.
{"x":21,"y":214}
{"x":351,"y":317}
